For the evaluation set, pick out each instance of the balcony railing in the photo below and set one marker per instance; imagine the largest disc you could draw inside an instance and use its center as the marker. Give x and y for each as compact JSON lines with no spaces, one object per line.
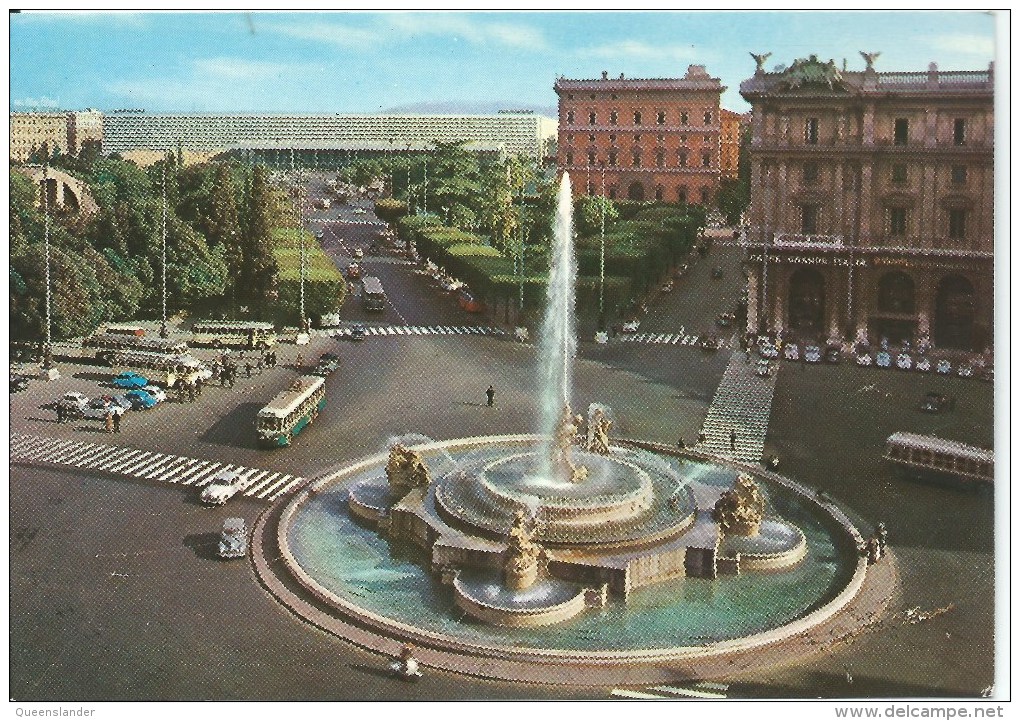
{"x":807,"y":240}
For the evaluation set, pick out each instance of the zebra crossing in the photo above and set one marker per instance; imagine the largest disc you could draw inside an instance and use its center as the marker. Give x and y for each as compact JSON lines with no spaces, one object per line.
{"x":738,"y":419}
{"x":680,"y":338}
{"x":700,"y":690}
{"x":421,"y":330}
{"x":147,"y":465}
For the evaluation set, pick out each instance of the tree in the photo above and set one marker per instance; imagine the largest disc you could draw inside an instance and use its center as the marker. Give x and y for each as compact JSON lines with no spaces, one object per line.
{"x":224,"y":226}
{"x":588,"y":210}
{"x":258,"y":276}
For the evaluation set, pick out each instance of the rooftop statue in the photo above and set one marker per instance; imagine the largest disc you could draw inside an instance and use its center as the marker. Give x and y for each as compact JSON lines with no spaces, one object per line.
{"x":869,"y":58}
{"x":740,"y":510}
{"x":812,"y":72}
{"x":760,"y":59}
{"x":406,"y":469}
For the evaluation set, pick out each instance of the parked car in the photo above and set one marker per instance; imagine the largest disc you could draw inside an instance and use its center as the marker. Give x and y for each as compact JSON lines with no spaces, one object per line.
{"x":965,"y":370}
{"x":763,"y":368}
{"x":711,"y":342}
{"x":933,"y":403}
{"x":121,"y":401}
{"x":359,"y":211}
{"x":99,"y":408}
{"x":233,"y":538}
{"x":224,"y":486}
{"x":129,"y":379}
{"x":863,"y":358}
{"x":812,"y":354}
{"x":156,"y":392}
{"x":904,"y":362}
{"x":883,"y":359}
{"x":923,"y":365}
{"x":74,"y":401}
{"x":768,"y":350}
{"x":631,"y":326}
{"x":944,"y":367}
{"x":353,"y":271}
{"x":141,"y":399}
{"x":791,"y":351}
{"x":724,"y":320}
{"x":357,"y":331}
{"x":358,"y":253}
{"x":667,"y":287}
{"x":833,"y":354}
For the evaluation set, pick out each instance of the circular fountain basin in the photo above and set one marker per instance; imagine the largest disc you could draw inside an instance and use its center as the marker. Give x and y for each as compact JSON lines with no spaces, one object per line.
{"x":776,"y":545}
{"x":545,"y":602}
{"x":624,"y":498}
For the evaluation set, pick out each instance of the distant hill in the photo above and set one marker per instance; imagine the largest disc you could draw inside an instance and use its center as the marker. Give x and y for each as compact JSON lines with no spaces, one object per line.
{"x":455,"y":107}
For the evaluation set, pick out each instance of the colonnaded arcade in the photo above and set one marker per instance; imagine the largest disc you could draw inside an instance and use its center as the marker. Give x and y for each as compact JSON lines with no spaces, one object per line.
{"x":871,"y":204}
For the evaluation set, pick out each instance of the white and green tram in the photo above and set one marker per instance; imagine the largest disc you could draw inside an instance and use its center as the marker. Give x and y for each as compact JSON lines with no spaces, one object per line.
{"x":286,"y":415}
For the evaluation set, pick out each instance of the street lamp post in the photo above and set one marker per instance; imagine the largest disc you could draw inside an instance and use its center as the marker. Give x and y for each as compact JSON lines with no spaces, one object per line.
{"x":602,"y":254}
{"x":163,"y":332}
{"x":47,"y":351}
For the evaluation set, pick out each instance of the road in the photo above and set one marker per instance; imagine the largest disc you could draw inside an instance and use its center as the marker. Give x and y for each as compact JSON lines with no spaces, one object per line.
{"x":114,"y":593}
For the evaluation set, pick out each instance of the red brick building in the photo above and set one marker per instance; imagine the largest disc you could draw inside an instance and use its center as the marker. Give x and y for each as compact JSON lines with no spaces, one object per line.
{"x":732,"y":127}
{"x":657,"y":139}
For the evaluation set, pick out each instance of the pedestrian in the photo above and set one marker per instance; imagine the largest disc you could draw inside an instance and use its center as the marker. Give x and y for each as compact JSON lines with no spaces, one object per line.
{"x":247,"y":368}
{"x":233,"y":374}
{"x":733,"y":439}
{"x":191,"y":393}
{"x":198,"y":386}
{"x":490,"y":395}
{"x":224,"y":375}
{"x":116,"y":422}
{"x":702,"y":438}
{"x":680,"y":443}
{"x":60,"y":413}
{"x":299,"y":362}
{"x":109,"y":422}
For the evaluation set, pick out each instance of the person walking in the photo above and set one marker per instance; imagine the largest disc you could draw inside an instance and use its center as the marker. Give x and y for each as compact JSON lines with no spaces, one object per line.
{"x":109,"y":422}
{"x":733,"y":439}
{"x":247,"y":368}
{"x":490,"y":395}
{"x":191,"y":393}
{"x":116,"y":422}
{"x":702,"y":438}
{"x":60,"y":413}
{"x":680,"y":443}
{"x":198,"y":386}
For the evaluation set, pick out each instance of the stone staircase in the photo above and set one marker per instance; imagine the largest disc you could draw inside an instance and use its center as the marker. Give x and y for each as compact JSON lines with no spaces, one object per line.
{"x":742,"y":403}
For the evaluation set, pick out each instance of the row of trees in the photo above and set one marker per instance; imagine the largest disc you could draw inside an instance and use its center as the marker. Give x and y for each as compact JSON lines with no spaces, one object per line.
{"x":220,"y":224}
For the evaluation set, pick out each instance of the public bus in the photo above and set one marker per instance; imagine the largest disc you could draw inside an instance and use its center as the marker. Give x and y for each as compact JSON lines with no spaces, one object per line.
{"x":108,"y":341}
{"x":372,"y":295}
{"x":286,"y":415}
{"x":163,"y":368}
{"x":233,"y":333}
{"x":937,"y":459}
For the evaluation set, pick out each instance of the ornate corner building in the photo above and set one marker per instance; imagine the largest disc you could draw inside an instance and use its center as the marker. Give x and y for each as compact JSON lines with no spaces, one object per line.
{"x":871,"y":204}
{"x":641,"y":139}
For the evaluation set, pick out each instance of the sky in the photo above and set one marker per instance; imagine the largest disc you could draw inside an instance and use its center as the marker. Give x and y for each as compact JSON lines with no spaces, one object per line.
{"x":366,"y":62}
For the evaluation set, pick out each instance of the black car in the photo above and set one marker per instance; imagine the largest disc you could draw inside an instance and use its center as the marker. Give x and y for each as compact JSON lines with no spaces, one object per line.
{"x":934,"y":403}
{"x":357,"y":331}
{"x":833,"y":354}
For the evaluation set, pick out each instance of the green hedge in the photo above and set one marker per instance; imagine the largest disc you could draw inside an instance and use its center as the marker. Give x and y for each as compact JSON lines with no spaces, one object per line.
{"x":325,"y":286}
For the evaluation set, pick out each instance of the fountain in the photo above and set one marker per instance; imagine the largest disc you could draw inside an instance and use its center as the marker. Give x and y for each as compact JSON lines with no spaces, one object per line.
{"x":578,"y":542}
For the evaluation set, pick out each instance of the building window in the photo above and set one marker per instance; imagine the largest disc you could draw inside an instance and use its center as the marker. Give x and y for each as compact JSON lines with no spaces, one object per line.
{"x":660,"y":137}
{"x":591,"y":118}
{"x":899,"y":174}
{"x":681,"y":158}
{"x":614,"y":117}
{"x":660,"y":160}
{"x":706,"y":160}
{"x":591,"y":158}
{"x":810,"y":173}
{"x":897,"y":222}
{"x":704,"y":196}
{"x":612,"y":193}
{"x":681,"y":194}
{"x":684,"y":119}
{"x":708,"y":117}
{"x":660,"y":119}
{"x":570,"y":96}
{"x":612,"y":157}
{"x":658,"y":192}
{"x":591,"y":138}
{"x":570,"y":139}
{"x":592,"y":96}
{"x":957,"y":224}
{"x":811,"y":131}
{"x":901,"y":131}
{"x":960,"y":131}
{"x":683,"y":140}
{"x":570,"y":158}
{"x":570,"y":117}
{"x":959,"y":175}
{"x":612,"y":137}
{"x":637,"y":137}
{"x":809,"y":219}
{"x":635,"y":159}
{"x":637,"y":117}
{"x":590,"y":189}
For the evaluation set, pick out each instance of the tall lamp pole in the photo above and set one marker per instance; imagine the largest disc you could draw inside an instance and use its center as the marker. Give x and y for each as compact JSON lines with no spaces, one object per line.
{"x":47,"y":353}
{"x":163,"y":332}
{"x":602,"y":254}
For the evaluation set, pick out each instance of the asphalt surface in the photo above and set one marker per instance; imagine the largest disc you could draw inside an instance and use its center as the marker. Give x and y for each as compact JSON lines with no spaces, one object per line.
{"x":115,"y":592}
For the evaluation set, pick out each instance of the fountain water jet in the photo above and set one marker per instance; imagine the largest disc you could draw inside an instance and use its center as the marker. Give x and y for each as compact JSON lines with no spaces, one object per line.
{"x":558,"y":342}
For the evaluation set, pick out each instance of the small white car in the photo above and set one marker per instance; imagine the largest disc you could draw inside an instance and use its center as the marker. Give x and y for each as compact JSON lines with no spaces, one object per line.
{"x":358,"y":253}
{"x":944,"y":367}
{"x":224,"y":486}
{"x":631,"y":326}
{"x":233,"y":538}
{"x":812,"y":354}
{"x":98,"y":408}
{"x":883,"y":359}
{"x":768,"y":350}
{"x":965,"y":371}
{"x":74,"y":401}
{"x":904,"y":361}
{"x":864,"y":359}
{"x":156,"y":392}
{"x":791,"y":352}
{"x":359,"y":211}
{"x":923,"y":365}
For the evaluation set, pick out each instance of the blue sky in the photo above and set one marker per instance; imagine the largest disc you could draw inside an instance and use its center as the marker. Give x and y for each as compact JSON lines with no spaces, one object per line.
{"x":363,"y":62}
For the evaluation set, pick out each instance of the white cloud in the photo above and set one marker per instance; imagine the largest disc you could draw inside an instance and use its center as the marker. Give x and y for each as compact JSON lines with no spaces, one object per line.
{"x":330,"y":33}
{"x":40,"y":102}
{"x":968,"y":44}
{"x":107,"y":17}
{"x":637,"y":50}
